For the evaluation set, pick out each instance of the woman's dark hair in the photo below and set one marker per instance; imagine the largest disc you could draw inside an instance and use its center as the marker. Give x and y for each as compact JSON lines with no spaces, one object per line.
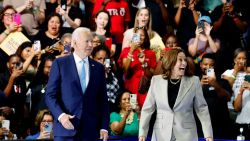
{"x":107,"y":27}
{"x":22,"y":47}
{"x":171,"y":35}
{"x":169,"y":61}
{"x":118,"y":99}
{"x":40,"y":78}
{"x":51,"y":16}
{"x":5,"y":9}
{"x":99,"y":48}
{"x":2,"y":27}
{"x":146,"y":43}
{"x":237,"y":52}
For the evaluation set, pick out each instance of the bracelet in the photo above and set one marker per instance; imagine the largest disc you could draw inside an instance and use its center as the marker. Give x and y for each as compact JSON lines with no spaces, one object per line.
{"x":232,"y":76}
{"x":43,"y":51}
{"x":6,"y":33}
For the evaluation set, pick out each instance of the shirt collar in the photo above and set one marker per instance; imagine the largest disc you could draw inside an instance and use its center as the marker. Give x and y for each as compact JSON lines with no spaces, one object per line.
{"x":78,"y":59}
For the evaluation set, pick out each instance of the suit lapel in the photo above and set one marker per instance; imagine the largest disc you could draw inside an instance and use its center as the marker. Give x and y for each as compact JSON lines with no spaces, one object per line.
{"x":91,"y":72}
{"x":74,"y":71}
{"x":184,"y":87}
{"x":163,"y":89}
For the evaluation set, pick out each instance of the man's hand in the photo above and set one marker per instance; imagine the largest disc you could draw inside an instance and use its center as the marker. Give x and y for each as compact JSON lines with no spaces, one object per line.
{"x":66,"y":123}
{"x":104,"y":135}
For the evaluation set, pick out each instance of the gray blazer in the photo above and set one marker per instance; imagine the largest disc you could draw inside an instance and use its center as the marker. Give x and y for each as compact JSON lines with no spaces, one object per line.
{"x":180,"y":121}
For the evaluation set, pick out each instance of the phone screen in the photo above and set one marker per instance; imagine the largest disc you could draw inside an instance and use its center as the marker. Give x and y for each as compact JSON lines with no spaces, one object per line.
{"x":133,"y":100}
{"x":210,"y":72}
{"x":67,"y":49}
{"x":6,"y":124}
{"x":107,"y":63}
{"x":202,"y":26}
{"x":136,"y":38}
{"x":48,"y":127}
{"x":37,"y":45}
{"x":64,"y":4}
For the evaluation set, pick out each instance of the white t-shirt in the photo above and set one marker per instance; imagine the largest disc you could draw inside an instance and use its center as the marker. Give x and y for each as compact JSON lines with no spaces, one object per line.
{"x":236,"y":86}
{"x":243,"y":116}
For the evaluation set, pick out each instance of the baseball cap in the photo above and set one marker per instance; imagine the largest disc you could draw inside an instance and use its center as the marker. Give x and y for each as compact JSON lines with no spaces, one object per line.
{"x":206,"y":19}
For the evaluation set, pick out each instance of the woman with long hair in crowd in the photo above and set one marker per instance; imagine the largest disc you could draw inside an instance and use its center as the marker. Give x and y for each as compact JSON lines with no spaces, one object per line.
{"x":143,"y":19}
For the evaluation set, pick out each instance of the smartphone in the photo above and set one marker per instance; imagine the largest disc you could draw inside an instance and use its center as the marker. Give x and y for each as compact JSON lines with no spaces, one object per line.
{"x":187,"y":3}
{"x":17,"y":18}
{"x":210,"y":72}
{"x":202,"y":26}
{"x":19,"y":65}
{"x":107,"y":63}
{"x":37,"y":45}
{"x":6,"y":124}
{"x":64,"y":4}
{"x":67,"y":49}
{"x":54,"y":45}
{"x":136,"y":38}
{"x":48,"y":127}
{"x":247,"y":78}
{"x":133,"y":100}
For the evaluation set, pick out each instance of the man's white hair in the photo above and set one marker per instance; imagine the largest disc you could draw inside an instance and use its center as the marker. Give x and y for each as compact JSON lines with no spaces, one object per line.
{"x":77,"y":33}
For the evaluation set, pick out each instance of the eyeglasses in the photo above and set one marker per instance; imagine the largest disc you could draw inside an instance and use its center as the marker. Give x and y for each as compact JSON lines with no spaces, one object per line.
{"x":9,"y":14}
{"x":47,"y":121}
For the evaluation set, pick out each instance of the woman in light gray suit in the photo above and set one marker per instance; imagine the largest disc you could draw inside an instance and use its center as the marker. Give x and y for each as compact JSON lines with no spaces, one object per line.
{"x":174,"y":95}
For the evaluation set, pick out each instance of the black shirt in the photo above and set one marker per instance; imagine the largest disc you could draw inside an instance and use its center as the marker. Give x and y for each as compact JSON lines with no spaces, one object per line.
{"x":173,"y":90}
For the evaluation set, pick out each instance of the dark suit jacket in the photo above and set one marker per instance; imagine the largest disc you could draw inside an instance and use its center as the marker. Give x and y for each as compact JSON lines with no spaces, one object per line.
{"x":64,"y":95}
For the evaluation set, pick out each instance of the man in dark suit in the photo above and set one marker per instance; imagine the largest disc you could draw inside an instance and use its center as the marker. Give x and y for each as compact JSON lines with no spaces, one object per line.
{"x":76,"y":93}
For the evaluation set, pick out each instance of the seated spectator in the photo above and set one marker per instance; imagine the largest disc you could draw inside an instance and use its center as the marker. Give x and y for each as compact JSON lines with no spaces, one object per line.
{"x":143,"y":19}
{"x":101,"y":54}
{"x":38,"y":86}
{"x":50,"y":37}
{"x":138,"y":61}
{"x":44,"y":123}
{"x":71,"y":16}
{"x":125,"y":120}
{"x":203,"y":42}
{"x":242,"y":106}
{"x":7,"y":26}
{"x":32,"y":13}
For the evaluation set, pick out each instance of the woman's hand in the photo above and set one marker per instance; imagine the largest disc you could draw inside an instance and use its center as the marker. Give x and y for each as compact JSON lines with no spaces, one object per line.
{"x":13,"y":27}
{"x":44,"y":135}
{"x":198,"y":31}
{"x":182,"y":4}
{"x":142,"y":138}
{"x":207,"y":28}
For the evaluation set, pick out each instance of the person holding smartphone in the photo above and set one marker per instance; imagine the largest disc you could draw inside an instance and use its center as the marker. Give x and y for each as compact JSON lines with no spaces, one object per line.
{"x":242,"y":106}
{"x":138,"y":61}
{"x":217,"y":92}
{"x":13,"y":85}
{"x":124,"y":121}
{"x":44,"y":122}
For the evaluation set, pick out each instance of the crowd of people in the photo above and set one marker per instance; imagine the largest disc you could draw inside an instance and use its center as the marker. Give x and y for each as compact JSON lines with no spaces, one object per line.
{"x":176,"y":69}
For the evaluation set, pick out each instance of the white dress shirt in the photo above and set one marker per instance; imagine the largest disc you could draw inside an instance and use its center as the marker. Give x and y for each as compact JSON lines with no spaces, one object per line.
{"x":79,"y":64}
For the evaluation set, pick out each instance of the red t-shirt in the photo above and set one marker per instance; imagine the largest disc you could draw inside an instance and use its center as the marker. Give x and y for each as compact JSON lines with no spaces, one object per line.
{"x":119,"y":14}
